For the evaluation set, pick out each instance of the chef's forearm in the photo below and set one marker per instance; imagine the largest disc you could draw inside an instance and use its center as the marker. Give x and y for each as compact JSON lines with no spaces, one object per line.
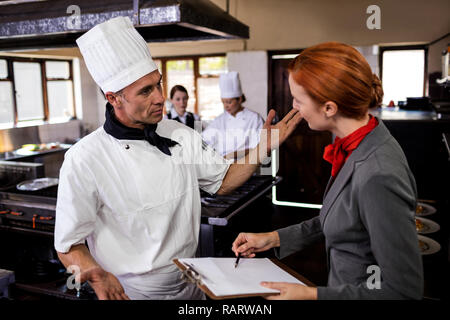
{"x":241,"y":171}
{"x":80,"y":256}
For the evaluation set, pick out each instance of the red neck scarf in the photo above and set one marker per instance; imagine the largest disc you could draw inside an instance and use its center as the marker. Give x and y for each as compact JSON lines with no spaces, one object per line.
{"x":338,"y":152}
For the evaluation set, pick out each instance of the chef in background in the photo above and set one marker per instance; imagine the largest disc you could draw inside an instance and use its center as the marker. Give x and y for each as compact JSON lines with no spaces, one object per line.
{"x":179,"y":99}
{"x":237,"y":129}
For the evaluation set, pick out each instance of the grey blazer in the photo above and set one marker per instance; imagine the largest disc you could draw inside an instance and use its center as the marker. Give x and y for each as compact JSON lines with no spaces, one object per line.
{"x":367,"y":219}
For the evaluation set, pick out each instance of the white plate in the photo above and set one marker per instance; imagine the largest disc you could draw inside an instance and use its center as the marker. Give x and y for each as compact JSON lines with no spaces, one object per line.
{"x":37,"y":184}
{"x":429,"y":226}
{"x":431,"y":246}
{"x":427,"y":209}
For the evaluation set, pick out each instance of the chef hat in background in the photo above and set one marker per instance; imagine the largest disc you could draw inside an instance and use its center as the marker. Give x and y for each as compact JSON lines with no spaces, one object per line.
{"x":230,"y":85}
{"x":115,"y":54}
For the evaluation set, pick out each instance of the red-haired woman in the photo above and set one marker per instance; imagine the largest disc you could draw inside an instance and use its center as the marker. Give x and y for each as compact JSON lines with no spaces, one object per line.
{"x":367,"y":217}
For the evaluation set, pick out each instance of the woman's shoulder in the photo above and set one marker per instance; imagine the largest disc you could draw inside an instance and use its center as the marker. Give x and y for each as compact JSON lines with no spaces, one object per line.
{"x":387,"y":162}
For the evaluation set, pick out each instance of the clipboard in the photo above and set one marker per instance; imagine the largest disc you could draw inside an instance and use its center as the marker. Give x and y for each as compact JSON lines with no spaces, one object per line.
{"x":189,"y":274}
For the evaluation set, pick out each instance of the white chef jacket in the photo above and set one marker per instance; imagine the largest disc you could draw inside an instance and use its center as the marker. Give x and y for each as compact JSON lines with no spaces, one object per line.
{"x":137,"y":207}
{"x":228,"y":134}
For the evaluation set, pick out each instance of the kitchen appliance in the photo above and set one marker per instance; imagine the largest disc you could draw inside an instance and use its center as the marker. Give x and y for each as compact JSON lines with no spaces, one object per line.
{"x":22,"y":23}
{"x":223,"y":216}
{"x":13,"y":172}
{"x":21,"y":210}
{"x":26,"y":225}
{"x":417,"y":103}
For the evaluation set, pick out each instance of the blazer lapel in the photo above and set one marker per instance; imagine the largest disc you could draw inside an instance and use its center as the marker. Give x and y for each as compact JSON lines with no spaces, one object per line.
{"x":329,"y":184}
{"x":336,"y":187}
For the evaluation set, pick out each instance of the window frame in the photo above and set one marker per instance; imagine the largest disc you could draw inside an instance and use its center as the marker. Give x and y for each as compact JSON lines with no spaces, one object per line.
{"x":406,"y":47}
{"x":10,"y":77}
{"x":196,"y":69}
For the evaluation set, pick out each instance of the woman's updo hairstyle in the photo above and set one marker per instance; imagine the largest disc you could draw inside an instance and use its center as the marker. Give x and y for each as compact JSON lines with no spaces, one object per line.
{"x":337,"y":72}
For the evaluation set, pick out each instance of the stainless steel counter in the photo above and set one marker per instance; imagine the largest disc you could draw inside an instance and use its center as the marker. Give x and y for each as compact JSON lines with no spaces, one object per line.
{"x":395,"y":113}
{"x":14,"y":155}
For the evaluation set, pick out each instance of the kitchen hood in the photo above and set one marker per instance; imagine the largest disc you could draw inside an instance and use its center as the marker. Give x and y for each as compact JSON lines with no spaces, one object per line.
{"x":38,"y":24}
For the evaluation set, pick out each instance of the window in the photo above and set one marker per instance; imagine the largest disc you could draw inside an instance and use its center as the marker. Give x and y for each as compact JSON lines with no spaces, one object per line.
{"x":210,"y":69}
{"x":403,"y":72}
{"x":6,"y":98}
{"x":35,"y":89}
{"x":200,"y":76}
{"x":182,"y":72}
{"x":59,"y":90}
{"x":3,"y":69}
{"x":28,"y":85}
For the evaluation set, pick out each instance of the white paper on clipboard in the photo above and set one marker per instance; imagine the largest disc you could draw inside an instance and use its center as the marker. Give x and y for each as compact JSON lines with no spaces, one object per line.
{"x":223,"y":279}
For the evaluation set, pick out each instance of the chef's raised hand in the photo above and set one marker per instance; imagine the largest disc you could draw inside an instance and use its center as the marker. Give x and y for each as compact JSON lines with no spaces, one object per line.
{"x":105,"y":284}
{"x":284,"y":127}
{"x":248,"y":243}
{"x":242,"y":169}
{"x":290,"y":291}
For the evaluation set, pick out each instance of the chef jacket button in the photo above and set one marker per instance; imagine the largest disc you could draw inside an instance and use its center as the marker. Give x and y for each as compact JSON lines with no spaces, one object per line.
{"x":127,"y":147}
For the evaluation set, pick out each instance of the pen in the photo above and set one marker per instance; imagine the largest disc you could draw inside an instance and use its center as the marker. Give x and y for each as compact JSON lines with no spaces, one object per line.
{"x":237,"y":260}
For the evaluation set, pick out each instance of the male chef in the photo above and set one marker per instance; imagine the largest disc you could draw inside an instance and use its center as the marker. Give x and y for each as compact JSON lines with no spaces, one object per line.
{"x":124,"y":188}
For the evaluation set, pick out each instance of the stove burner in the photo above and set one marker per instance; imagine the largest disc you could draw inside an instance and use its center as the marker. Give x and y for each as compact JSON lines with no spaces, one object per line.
{"x":36,"y":271}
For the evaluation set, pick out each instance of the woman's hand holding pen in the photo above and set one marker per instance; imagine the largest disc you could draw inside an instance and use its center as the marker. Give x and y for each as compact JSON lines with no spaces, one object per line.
{"x":248,"y":243}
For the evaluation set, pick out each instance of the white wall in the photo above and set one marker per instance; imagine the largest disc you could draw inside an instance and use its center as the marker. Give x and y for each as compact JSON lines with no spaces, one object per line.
{"x":59,"y":132}
{"x":253,"y":72}
{"x":294,"y":24}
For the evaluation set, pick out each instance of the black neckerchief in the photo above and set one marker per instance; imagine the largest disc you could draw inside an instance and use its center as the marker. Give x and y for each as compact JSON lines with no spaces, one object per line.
{"x":115,"y":128}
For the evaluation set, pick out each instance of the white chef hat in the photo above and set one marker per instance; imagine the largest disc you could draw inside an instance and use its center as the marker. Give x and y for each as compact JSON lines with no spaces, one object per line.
{"x":230,"y":85}
{"x":116,"y":55}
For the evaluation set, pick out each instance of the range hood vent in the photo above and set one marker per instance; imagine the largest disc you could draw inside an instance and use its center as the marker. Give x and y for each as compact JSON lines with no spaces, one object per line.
{"x":38,"y":24}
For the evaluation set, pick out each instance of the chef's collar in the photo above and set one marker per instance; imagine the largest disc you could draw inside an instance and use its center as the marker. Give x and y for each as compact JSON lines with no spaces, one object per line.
{"x":119,"y":131}
{"x":240,"y":114}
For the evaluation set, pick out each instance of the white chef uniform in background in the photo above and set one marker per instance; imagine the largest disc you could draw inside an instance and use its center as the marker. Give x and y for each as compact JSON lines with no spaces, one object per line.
{"x":137,"y":207}
{"x":228,"y":133}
